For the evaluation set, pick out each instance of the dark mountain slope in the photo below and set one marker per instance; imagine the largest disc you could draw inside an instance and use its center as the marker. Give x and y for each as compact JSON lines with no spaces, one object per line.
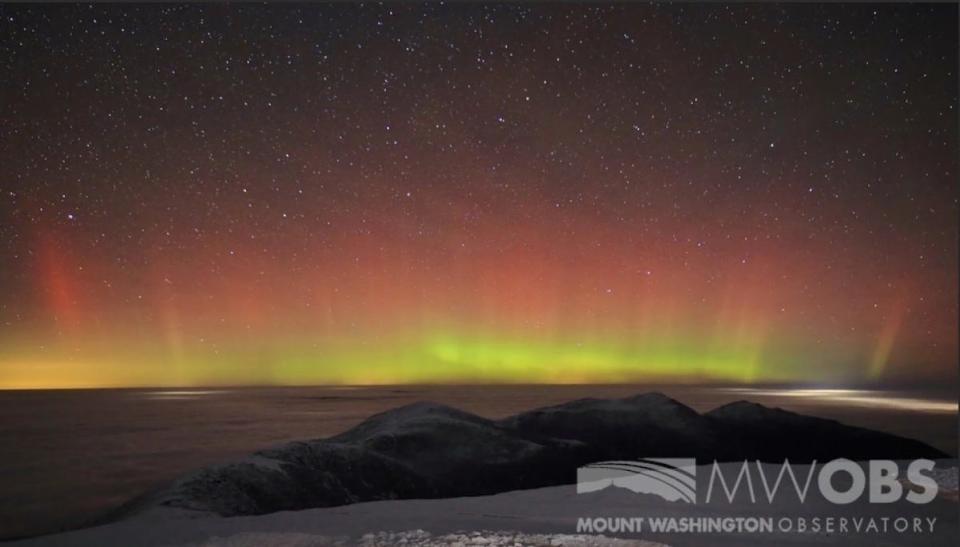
{"x":427,"y":450}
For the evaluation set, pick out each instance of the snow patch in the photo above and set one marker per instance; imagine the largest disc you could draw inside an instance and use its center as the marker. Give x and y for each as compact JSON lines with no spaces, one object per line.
{"x":421,"y":538}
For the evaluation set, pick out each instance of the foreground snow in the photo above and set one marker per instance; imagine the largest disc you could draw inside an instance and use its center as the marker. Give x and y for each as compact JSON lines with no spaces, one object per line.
{"x":421,"y":538}
{"x":544,"y":516}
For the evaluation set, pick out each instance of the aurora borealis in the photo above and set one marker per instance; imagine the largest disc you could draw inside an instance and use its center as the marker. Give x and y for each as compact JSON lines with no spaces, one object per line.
{"x":397,"y":193}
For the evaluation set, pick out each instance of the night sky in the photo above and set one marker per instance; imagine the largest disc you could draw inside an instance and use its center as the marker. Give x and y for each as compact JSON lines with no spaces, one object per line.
{"x":232,"y":194}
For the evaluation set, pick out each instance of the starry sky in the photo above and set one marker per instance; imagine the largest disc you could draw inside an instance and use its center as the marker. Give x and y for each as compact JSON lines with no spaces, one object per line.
{"x":402,"y":193}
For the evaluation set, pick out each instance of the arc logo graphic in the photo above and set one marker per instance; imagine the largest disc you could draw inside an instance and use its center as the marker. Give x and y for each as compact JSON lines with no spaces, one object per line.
{"x":673,"y":479}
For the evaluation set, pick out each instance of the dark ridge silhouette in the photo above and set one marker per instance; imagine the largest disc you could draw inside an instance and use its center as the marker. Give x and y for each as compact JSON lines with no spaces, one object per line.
{"x":427,"y":450}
